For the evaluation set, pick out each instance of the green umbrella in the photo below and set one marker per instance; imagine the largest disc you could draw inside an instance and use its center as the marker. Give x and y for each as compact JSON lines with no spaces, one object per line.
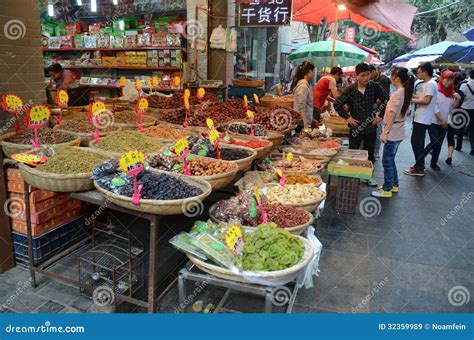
{"x":320,"y":54}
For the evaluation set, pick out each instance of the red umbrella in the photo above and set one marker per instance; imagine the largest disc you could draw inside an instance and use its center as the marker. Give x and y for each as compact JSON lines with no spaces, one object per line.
{"x":386,"y":16}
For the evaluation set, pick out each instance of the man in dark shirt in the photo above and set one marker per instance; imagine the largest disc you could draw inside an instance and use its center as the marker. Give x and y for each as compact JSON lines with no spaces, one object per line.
{"x":377,"y":77}
{"x":364,"y":112}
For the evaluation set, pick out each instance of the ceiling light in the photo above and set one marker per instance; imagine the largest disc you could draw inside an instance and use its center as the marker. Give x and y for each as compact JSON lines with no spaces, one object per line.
{"x":93,"y":5}
{"x":50,"y":10}
{"x":341,"y":7}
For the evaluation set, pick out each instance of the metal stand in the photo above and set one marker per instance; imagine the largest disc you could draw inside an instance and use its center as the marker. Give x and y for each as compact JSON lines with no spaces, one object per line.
{"x":96,"y":198}
{"x":192,"y":273}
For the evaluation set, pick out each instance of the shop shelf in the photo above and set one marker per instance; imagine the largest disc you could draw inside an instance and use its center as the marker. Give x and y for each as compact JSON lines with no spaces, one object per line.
{"x":124,"y":67}
{"x":71,"y":49}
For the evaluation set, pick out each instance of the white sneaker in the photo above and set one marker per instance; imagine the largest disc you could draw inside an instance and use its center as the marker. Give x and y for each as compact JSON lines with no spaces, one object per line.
{"x":371,"y":183}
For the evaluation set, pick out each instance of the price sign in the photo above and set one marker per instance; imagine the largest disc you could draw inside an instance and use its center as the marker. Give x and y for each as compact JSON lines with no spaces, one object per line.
{"x":62,"y":99}
{"x":256,"y":100}
{"x":96,"y":109}
{"x":37,"y":116}
{"x":138,"y":85}
{"x":280,"y":172}
{"x":29,"y":158}
{"x":289,"y":157}
{"x":122,"y":82}
{"x":181,"y":145}
{"x":142,"y":105}
{"x":132,"y":162}
{"x":177,"y":81}
{"x":209,"y":123}
{"x":234,"y":239}
{"x":257,"y":194}
{"x":187,"y":95}
{"x":213,"y":136}
{"x":12,"y":103}
{"x":250,"y":114}
{"x":154,"y":81}
{"x":246,"y":102}
{"x":201,"y":93}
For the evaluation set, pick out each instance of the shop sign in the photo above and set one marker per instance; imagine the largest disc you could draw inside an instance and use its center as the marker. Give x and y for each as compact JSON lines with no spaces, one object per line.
{"x":256,"y":13}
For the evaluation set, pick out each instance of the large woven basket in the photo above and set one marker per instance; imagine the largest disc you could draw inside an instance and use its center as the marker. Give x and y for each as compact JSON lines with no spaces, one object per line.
{"x":59,"y":182}
{"x":7,"y":135}
{"x":217,"y":182}
{"x":310,"y":172}
{"x":248,"y":83}
{"x":170,"y":140}
{"x":274,"y":102}
{"x":163,"y":207}
{"x":309,"y":153}
{"x":93,"y":145}
{"x":310,"y":206}
{"x":298,"y":230}
{"x":243,"y":163}
{"x":261,"y":152}
{"x":87,"y":137}
{"x":275,"y":278}
{"x":12,"y":148}
{"x":194,"y":129}
{"x":146,"y":123}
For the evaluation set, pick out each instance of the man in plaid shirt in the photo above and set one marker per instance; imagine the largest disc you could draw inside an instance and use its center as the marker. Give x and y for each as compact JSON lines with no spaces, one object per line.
{"x":366,"y":101}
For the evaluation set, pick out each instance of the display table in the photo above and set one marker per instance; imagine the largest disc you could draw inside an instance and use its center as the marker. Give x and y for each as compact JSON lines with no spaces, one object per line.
{"x":95,"y":198}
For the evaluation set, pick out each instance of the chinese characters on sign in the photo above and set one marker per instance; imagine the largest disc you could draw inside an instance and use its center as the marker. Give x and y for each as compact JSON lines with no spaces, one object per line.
{"x":265,"y":13}
{"x":350,"y":34}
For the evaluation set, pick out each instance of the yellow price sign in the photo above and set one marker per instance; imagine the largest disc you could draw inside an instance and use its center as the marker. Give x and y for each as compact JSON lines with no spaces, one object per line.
{"x":122,"y":82}
{"x":246,"y":101}
{"x":201,"y":93}
{"x":62,"y":98}
{"x":38,"y":115}
{"x":187,"y":95}
{"x":180,"y":146}
{"x":213,"y":136}
{"x":250,"y":114}
{"x":132,"y":162}
{"x":256,"y":99}
{"x":96,"y":109}
{"x":209,"y":123}
{"x":289,"y":157}
{"x":257,"y":194}
{"x":177,"y":81}
{"x":234,"y":238}
{"x":154,"y":81}
{"x":12,"y":103}
{"x":142,"y":105}
{"x":280,"y":172}
{"x":29,"y":158}
{"x":149,"y":84}
{"x":138,"y":84}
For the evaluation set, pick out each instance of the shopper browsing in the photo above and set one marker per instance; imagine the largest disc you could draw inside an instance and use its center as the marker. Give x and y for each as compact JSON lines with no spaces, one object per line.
{"x":394,"y":129}
{"x":361,"y":98}
{"x":439,"y":126}
{"x":426,"y":107}
{"x":303,"y":92}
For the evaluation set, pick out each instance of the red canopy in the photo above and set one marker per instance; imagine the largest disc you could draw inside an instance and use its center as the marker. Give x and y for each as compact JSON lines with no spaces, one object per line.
{"x":387,"y":16}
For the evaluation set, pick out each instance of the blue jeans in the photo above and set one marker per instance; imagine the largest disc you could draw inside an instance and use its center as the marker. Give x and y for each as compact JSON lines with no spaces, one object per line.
{"x":390,"y":173}
{"x":437,"y":134}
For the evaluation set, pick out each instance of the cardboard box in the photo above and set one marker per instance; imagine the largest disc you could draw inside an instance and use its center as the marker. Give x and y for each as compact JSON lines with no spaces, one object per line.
{"x":14,"y":174}
{"x":108,"y":61}
{"x":40,"y":199}
{"x":38,"y":229}
{"x":50,"y":212}
{"x":351,"y":169}
{"x":362,"y":155}
{"x":120,"y":61}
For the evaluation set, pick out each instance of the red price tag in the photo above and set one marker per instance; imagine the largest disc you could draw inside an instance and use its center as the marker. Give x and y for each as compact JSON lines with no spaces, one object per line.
{"x":62,"y":99}
{"x":96,"y":109}
{"x":142,"y":105}
{"x":201,"y":93}
{"x":12,"y":103}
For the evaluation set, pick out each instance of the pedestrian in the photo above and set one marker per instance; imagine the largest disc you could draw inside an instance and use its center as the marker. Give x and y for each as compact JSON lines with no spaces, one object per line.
{"x":364,"y":114}
{"x":439,"y":125}
{"x":303,"y":92}
{"x":426,"y":107}
{"x":326,"y":89}
{"x":280,"y":89}
{"x":377,"y":77}
{"x":464,"y":118}
{"x":394,"y":129}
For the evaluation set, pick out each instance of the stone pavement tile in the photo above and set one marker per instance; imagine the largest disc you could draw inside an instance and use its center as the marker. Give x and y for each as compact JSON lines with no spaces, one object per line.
{"x":70,"y":310}
{"x":336,"y":294}
{"x":64,"y":270}
{"x":373,"y":269}
{"x":390,"y":248}
{"x":344,"y":241}
{"x":15,"y":276}
{"x":393,"y":299}
{"x":338,"y":264}
{"x":50,"y":307}
{"x":81,"y":303}
{"x":432,"y":254}
{"x":26,"y":302}
{"x":462,"y":259}
{"x":59,"y":292}
{"x":370,"y":226}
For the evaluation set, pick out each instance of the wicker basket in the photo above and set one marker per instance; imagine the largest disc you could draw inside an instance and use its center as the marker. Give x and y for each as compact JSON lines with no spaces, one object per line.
{"x":298,"y":230}
{"x":86,"y":137}
{"x":7,"y":135}
{"x":147,"y":122}
{"x":311,"y":172}
{"x":248,"y":83}
{"x":261,"y":152}
{"x":309,"y":153}
{"x":12,"y":148}
{"x":274,"y":102}
{"x":276,"y":278}
{"x":59,"y":182}
{"x":170,"y":140}
{"x":243,"y":163}
{"x":217,"y":182}
{"x":93,"y":145}
{"x":164,"y":207}
{"x":310,"y":206}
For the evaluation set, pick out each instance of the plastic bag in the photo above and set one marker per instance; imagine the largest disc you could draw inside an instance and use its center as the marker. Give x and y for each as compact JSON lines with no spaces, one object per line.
{"x":306,"y":278}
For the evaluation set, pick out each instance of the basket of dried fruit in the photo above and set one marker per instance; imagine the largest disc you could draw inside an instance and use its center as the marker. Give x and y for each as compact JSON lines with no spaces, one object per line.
{"x":248,"y":82}
{"x":310,"y":153}
{"x":294,"y":220}
{"x":299,"y":165}
{"x":304,"y":196}
{"x":116,"y":143}
{"x":83,"y":129}
{"x":21,"y":142}
{"x":161,"y":194}
{"x":128,"y":120}
{"x":263,"y":147}
{"x":164,"y":132}
{"x":218,"y":173}
{"x":68,"y":170}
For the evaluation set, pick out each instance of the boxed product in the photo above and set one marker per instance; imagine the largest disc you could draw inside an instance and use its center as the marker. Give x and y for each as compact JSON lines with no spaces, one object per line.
{"x":90,"y":41}
{"x":94,"y":28}
{"x":176,"y":26}
{"x":161,"y":25}
{"x":50,"y":212}
{"x":41,"y":200}
{"x":144,"y":40}
{"x":38,"y":229}
{"x":54,"y":42}
{"x":60,"y":29}
{"x":158,"y":39}
{"x":120,"y":61}
{"x":117,"y":41}
{"x":47,"y":29}
{"x":130,"y":41}
{"x":108,"y":61}
{"x":103,"y":40}
{"x":66,"y":41}
{"x":73,"y":28}
{"x":79,"y":40}
{"x":173,"y":40}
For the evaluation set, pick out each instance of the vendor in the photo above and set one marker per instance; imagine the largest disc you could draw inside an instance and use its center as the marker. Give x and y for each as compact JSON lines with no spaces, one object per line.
{"x":326,"y":89}
{"x":280,"y":89}
{"x":63,"y":78}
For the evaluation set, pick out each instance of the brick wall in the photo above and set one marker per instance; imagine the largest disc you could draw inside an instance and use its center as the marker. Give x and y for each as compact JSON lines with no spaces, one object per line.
{"x":21,"y":57}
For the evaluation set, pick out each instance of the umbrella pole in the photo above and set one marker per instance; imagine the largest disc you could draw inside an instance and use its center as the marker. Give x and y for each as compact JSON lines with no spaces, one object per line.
{"x":333,"y":53}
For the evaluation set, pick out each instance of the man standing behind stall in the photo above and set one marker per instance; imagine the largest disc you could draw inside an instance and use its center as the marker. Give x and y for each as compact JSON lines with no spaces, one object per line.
{"x":364,"y":114}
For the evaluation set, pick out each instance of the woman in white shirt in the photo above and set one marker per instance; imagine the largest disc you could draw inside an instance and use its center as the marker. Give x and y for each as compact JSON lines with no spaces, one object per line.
{"x":444,"y":104}
{"x":303,"y":92}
